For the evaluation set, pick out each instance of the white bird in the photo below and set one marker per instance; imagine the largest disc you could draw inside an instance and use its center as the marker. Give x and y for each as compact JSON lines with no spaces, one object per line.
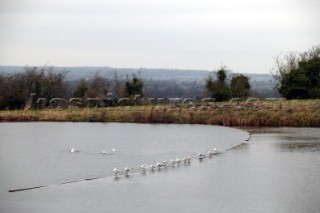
{"x":72,"y":150}
{"x":201,"y":156}
{"x":159,"y":165}
{"x":152,"y":167}
{"x":210,"y":153}
{"x":189,"y":159}
{"x":114,"y":150}
{"x":116,"y":172}
{"x":178,"y":161}
{"x":186,"y":160}
{"x":165,"y":163}
{"x":127,"y":170}
{"x":216,"y":151}
{"x":143,"y":168}
{"x":172,"y":162}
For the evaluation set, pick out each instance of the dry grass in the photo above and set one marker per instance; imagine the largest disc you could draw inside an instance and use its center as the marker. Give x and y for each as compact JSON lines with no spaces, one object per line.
{"x":263,"y":113}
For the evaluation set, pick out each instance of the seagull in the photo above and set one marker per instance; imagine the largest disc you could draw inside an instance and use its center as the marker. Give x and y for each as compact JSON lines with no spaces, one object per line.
{"x":178,"y":161}
{"x":201,"y":156}
{"x":107,"y":153}
{"x":127,"y":170}
{"x":72,"y":150}
{"x":186,"y":160}
{"x":116,"y":172}
{"x":159,"y":165}
{"x":172,"y":162}
{"x":165,"y":163}
{"x":152,"y":167}
{"x":143,"y":168}
{"x":210,"y":153}
{"x":216,"y":151}
{"x":189,"y":159}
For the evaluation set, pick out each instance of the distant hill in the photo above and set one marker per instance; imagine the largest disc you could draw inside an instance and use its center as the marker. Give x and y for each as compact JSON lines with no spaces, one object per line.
{"x":83,"y":72}
{"x":75,"y":73}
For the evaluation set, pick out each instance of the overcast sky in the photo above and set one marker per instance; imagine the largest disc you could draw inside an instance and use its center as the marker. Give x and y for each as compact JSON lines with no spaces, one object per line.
{"x":244,"y":35}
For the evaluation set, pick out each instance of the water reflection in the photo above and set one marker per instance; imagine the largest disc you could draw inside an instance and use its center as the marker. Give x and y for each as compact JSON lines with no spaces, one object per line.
{"x":286,"y":139}
{"x":116,"y":178}
{"x":299,"y":146}
{"x":295,"y":137}
{"x":298,"y":140}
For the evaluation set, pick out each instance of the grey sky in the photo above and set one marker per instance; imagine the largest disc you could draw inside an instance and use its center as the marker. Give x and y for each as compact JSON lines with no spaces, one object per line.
{"x":245,"y":35}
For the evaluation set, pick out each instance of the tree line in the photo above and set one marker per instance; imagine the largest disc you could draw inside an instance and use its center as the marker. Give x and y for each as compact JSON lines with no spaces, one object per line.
{"x":46,"y":83}
{"x":298,"y":74}
{"x":218,"y":87}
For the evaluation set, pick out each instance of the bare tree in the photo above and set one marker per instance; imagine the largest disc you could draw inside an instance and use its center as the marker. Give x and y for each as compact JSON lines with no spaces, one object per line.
{"x":42,"y":82}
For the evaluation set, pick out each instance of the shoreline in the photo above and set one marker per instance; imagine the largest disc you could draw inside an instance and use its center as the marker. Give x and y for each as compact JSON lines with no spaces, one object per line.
{"x":261,"y":114}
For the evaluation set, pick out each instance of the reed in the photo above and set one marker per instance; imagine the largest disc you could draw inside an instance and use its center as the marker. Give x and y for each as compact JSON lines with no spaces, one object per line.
{"x":263,"y":113}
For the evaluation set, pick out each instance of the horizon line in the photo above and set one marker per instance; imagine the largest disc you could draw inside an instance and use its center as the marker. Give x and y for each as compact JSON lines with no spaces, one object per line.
{"x":135,"y":68}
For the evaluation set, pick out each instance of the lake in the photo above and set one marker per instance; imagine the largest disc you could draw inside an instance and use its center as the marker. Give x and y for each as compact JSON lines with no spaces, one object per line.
{"x":277,"y":170}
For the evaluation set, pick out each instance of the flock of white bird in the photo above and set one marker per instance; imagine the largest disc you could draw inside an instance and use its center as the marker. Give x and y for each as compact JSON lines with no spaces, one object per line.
{"x":166,"y":164}
{"x":159,"y":165}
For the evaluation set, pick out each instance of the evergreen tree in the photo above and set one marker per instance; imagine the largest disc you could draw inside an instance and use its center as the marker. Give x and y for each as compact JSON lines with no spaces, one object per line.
{"x":134,"y":86}
{"x":218,"y":89}
{"x":299,"y":75}
{"x":240,"y":86}
{"x":81,"y":89}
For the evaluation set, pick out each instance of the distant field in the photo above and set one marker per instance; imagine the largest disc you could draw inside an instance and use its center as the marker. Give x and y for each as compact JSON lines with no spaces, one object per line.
{"x":294,"y":113}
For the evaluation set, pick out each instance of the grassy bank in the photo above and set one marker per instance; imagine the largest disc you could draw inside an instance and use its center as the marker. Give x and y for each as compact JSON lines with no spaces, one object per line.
{"x":294,"y":113}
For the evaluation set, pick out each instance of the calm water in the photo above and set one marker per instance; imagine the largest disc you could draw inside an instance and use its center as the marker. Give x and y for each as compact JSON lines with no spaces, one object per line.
{"x":277,"y":170}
